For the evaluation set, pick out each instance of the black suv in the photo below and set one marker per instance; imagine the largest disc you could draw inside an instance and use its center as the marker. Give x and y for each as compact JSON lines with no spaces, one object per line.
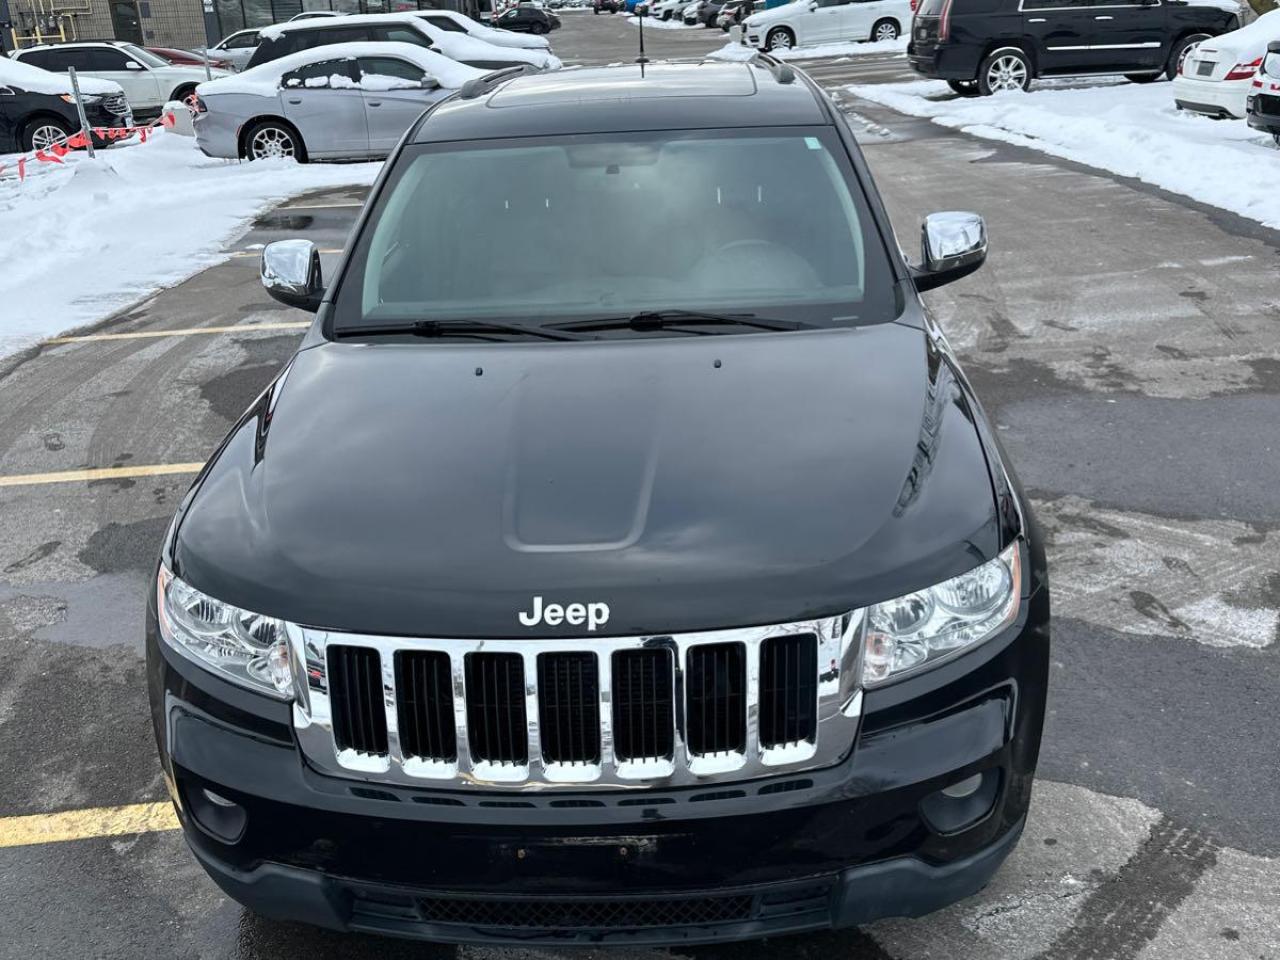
{"x":37,"y":108}
{"x":527,"y":18}
{"x":985,"y":46}
{"x":601,"y":599}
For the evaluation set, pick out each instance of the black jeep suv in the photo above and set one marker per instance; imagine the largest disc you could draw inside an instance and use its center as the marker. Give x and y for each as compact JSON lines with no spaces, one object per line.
{"x":985,"y":46}
{"x":660,"y":599}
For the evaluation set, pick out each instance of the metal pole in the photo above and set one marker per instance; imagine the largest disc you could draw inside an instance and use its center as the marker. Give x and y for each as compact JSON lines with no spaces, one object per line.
{"x":84,"y":121}
{"x":208,"y":74}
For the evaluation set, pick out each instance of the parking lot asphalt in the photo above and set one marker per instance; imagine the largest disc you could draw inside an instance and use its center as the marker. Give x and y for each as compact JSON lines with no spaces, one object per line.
{"x":1124,"y":342}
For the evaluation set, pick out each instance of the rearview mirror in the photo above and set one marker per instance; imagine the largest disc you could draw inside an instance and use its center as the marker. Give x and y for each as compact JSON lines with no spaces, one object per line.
{"x":953,"y":245}
{"x":291,"y":273}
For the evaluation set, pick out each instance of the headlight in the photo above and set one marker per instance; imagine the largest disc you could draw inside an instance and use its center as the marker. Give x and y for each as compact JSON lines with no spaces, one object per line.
{"x":89,"y":99}
{"x":243,"y":647}
{"x":918,"y":630}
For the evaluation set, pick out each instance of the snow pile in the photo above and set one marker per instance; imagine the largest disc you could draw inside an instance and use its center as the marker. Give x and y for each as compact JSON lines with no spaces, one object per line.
{"x":1133,"y":130}
{"x":90,"y":237}
{"x":15,"y":73}
{"x":653,"y":23}
{"x":264,"y":79}
{"x":847,"y":48}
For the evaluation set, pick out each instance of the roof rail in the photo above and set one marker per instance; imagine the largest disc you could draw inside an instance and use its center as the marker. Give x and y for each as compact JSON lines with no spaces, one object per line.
{"x":781,"y":72}
{"x":482,"y":85}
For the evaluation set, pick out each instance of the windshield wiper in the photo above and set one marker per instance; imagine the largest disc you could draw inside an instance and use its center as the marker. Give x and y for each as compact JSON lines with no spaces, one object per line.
{"x":664,"y":319}
{"x":449,"y":328}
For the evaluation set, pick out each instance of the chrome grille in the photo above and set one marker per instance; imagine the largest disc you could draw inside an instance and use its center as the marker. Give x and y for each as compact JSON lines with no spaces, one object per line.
{"x":654,"y":711}
{"x":116,"y":103}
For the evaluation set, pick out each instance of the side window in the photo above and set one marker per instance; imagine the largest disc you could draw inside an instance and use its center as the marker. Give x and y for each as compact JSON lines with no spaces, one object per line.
{"x":44,"y":59}
{"x":323,"y":75}
{"x":1053,"y":4}
{"x":242,"y":41}
{"x":306,"y":39}
{"x":445,"y":23}
{"x":832,"y":3}
{"x":389,"y":73}
{"x":403,"y":35}
{"x":106,"y":59}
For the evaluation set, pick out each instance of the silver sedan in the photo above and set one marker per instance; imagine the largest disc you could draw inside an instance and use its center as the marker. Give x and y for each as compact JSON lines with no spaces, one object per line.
{"x":348,"y":101}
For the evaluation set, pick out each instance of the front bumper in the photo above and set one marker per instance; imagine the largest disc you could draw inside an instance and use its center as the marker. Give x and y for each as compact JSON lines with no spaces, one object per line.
{"x":845,"y":845}
{"x":1220,"y":98}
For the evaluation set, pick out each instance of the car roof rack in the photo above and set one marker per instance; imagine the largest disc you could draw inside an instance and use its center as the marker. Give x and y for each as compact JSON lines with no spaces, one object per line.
{"x":782,"y":72}
{"x":481,"y":85}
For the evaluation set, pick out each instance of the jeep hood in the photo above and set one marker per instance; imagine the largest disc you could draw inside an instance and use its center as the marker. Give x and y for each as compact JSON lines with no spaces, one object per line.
{"x":433,"y":489}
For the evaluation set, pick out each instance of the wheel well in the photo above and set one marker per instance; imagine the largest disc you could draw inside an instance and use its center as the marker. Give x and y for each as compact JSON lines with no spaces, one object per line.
{"x":893,"y":20}
{"x":39,"y":115}
{"x":780,"y":26}
{"x":1023,"y":48}
{"x":181,"y":89}
{"x":248,"y":125}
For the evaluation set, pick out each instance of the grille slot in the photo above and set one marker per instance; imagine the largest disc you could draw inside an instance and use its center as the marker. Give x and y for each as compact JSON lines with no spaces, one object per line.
{"x":715,"y":704}
{"x":549,"y":914}
{"x":116,"y":103}
{"x":643,"y":701}
{"x":788,"y":690}
{"x":424,"y":690}
{"x":359,"y":717}
{"x":497,"y":727}
{"x":569,"y":707}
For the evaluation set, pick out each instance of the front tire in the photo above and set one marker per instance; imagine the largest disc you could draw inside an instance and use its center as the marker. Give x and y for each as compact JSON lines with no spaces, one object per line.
{"x":44,"y":132}
{"x":1143,"y":77}
{"x":884,"y":30}
{"x":780,"y":38}
{"x":1005,"y":70}
{"x":273,"y":139}
{"x":1179,"y":53}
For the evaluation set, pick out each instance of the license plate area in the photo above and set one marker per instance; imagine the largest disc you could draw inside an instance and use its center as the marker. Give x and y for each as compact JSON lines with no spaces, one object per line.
{"x":1204,"y":68}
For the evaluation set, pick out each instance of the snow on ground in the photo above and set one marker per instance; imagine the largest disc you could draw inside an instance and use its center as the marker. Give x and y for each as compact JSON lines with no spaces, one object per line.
{"x":1129,"y":129}
{"x":79,"y":242}
{"x":653,"y":23}
{"x":847,"y":48}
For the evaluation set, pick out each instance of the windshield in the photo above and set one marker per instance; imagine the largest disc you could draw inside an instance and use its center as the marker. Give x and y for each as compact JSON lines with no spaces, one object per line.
{"x":554,"y":229}
{"x":147,"y":57}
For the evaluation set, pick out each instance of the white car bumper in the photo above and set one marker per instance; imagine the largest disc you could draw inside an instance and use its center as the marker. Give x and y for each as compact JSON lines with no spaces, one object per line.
{"x":1213,"y":97}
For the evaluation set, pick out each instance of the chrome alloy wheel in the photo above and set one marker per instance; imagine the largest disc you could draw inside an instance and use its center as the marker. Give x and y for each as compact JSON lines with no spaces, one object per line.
{"x":46,"y":135}
{"x":271,"y":142}
{"x":1008,"y":72}
{"x":780,"y":40}
{"x":885,"y":31}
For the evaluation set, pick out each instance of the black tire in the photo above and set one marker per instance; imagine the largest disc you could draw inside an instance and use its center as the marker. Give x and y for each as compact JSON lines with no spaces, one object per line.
{"x":278,"y":131}
{"x":1276,"y":138}
{"x":1005,"y":69}
{"x":966,"y":88}
{"x":181,"y":93}
{"x":780,"y":38}
{"x":887,"y":26}
{"x":36,"y":132}
{"x":540,"y":28}
{"x":1180,"y":50}
{"x":1143,"y":77}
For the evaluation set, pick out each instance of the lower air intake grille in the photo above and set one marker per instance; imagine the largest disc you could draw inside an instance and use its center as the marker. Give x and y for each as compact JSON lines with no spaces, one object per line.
{"x":569,"y":707}
{"x":496,"y":724}
{"x":715,"y":681}
{"x":424,"y":689}
{"x":643,"y":719}
{"x":587,"y":914}
{"x":788,"y":690}
{"x":359,"y":717}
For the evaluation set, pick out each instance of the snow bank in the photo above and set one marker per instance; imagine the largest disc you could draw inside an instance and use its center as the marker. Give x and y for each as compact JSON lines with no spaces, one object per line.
{"x":35,"y":80}
{"x":849,"y":48}
{"x":1132,"y":130}
{"x":79,"y":243}
{"x":264,"y":79}
{"x":653,"y":23}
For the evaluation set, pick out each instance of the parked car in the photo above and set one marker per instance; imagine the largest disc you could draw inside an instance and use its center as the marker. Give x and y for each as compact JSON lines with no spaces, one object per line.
{"x":1216,"y":75}
{"x":340,"y":102}
{"x":148,"y":82}
{"x":988,"y":46}
{"x":1263,"y":105}
{"x":37,"y":108}
{"x":451,"y":20}
{"x":710,"y":590}
{"x":604,"y":6}
{"x":237,"y":48}
{"x":528,"y":19}
{"x":704,"y":12}
{"x":189,"y":58}
{"x":286,"y":38}
{"x":315,"y":15}
{"x":666,"y":9}
{"x":805,"y":22}
{"x":733,"y":13}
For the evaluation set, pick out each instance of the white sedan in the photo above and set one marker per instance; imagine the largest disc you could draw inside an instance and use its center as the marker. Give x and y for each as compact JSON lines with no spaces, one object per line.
{"x":452,"y":21}
{"x":1214,"y":77}
{"x":806,"y":22}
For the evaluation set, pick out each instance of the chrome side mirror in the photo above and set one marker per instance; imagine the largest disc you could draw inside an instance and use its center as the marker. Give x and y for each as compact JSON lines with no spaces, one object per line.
{"x":953,"y":245}
{"x":291,"y":273}
{"x":132,"y":65}
{"x":429,"y":83}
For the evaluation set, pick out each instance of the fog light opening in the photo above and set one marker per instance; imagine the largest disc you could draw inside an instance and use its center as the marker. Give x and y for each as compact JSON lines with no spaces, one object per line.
{"x":961,"y":805}
{"x":217,"y":799}
{"x":219,"y":817}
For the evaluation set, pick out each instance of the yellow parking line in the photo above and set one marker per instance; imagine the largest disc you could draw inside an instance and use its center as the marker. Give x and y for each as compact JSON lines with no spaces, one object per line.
{"x":41,"y":828}
{"x":184,"y":332}
{"x":101,"y":473}
{"x":257,"y":253}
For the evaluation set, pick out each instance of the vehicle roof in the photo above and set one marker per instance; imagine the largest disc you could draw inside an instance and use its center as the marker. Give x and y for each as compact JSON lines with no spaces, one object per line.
{"x":78,"y":43}
{"x":332,"y":23}
{"x":665,"y":95}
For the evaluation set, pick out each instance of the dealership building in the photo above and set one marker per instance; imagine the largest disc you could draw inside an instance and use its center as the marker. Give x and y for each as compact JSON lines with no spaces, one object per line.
{"x":173,"y":23}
